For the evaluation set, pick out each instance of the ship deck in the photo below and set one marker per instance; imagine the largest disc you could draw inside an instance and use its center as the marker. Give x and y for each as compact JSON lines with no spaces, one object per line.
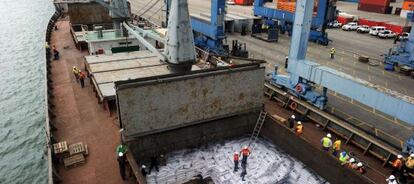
{"x":79,"y":117}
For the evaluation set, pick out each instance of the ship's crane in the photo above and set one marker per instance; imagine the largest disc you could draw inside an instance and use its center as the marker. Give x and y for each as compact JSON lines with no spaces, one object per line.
{"x":209,"y":29}
{"x":179,"y":51}
{"x":304,"y":75}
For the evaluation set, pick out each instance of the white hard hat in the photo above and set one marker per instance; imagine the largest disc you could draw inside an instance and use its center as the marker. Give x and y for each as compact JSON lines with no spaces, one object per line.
{"x":293,"y":116}
{"x":236,"y":153}
{"x":392,"y":177}
{"x":352,"y":160}
{"x":329,"y":135}
{"x":245,"y":147}
{"x":359,"y":164}
{"x":143,"y":166}
{"x":399,"y":156}
{"x":412,"y":155}
{"x":74,"y":67}
{"x":299,"y":123}
{"x":120,"y":154}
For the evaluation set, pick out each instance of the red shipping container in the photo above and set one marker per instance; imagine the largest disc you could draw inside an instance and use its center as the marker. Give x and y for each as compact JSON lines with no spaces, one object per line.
{"x":243,"y":2}
{"x":375,"y":2}
{"x":344,"y":20}
{"x":372,"y":8}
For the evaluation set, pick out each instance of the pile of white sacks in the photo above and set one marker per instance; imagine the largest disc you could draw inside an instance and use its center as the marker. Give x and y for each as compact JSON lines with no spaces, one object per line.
{"x":267,"y":164}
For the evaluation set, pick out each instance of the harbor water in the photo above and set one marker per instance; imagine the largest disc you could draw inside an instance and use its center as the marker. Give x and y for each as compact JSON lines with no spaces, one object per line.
{"x":23,"y":140}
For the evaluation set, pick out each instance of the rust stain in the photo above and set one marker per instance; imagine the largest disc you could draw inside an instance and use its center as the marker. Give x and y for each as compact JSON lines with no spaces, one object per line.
{"x":183,"y":109}
{"x":241,"y":96}
{"x":205,"y":91}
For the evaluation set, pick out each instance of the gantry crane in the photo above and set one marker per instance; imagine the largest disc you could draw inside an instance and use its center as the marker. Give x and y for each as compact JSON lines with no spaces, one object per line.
{"x":304,"y":76}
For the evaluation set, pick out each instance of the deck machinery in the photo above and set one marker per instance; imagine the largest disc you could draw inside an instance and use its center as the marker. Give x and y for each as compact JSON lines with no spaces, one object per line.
{"x":304,"y":76}
{"x":403,"y":54}
{"x":283,"y":20}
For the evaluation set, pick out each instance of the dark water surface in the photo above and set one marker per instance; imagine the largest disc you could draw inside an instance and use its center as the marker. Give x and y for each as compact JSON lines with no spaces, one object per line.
{"x":22,"y":95}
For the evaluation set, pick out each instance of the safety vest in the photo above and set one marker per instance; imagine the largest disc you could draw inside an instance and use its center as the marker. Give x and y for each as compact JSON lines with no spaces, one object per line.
{"x":121,"y":148}
{"x":397,"y":163}
{"x":337,"y":145}
{"x":236,"y":157}
{"x":343,"y":158}
{"x":246,"y":152}
{"x":81,"y":75}
{"x":299,"y":129}
{"x":332,"y":51}
{"x":326,"y":142}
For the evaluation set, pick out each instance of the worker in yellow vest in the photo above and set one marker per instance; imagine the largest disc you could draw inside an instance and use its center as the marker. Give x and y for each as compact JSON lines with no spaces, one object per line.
{"x":336,"y":147}
{"x":333,"y":53}
{"x":343,"y":158}
{"x":326,"y":142}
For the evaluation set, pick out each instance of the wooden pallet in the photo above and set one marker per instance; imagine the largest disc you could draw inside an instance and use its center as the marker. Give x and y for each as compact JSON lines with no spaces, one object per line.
{"x":74,"y":161}
{"x":60,"y":147}
{"x":77,"y":148}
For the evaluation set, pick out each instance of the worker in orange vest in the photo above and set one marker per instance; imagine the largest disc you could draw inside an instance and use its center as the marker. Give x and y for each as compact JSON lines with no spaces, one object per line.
{"x":397,"y":164}
{"x":336,"y":147}
{"x":299,"y":128}
{"x":82,"y":78}
{"x":236,"y":161}
{"x":245,"y":153}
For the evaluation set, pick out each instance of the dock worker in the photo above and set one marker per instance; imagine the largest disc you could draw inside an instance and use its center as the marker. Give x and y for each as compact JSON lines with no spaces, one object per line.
{"x":143,"y":171}
{"x":397,"y":164}
{"x":245,"y":153}
{"x":121,"y":162}
{"x":351,"y":163}
{"x":154,"y":164}
{"x":326,"y":142}
{"x":343,"y":158}
{"x":333,"y":53}
{"x":121,"y":148}
{"x":82,"y":77}
{"x":360,"y":168}
{"x":299,"y":129}
{"x":244,"y":172}
{"x":75,"y":72}
{"x":391,"y":180}
{"x":55,"y":52}
{"x":409,"y":164}
{"x":286,"y":62}
{"x":236,"y":161}
{"x":336,"y":147}
{"x":291,"y":121}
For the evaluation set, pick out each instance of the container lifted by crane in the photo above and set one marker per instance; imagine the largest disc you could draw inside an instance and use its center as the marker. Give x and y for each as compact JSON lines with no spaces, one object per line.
{"x":304,"y":76}
{"x":403,"y":54}
{"x":282,"y":20}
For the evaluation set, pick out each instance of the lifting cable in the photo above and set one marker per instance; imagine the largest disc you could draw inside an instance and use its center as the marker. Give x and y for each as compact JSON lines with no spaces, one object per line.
{"x":149,"y":8}
{"x":149,"y":2}
{"x":159,"y":9}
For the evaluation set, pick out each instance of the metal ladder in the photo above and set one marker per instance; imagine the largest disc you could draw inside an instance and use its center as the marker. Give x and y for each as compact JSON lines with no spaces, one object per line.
{"x":258,"y":127}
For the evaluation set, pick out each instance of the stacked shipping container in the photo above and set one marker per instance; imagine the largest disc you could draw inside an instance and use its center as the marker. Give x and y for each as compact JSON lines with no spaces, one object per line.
{"x":290,"y":5}
{"x":408,"y":6}
{"x":377,"y":6}
{"x":243,"y":2}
